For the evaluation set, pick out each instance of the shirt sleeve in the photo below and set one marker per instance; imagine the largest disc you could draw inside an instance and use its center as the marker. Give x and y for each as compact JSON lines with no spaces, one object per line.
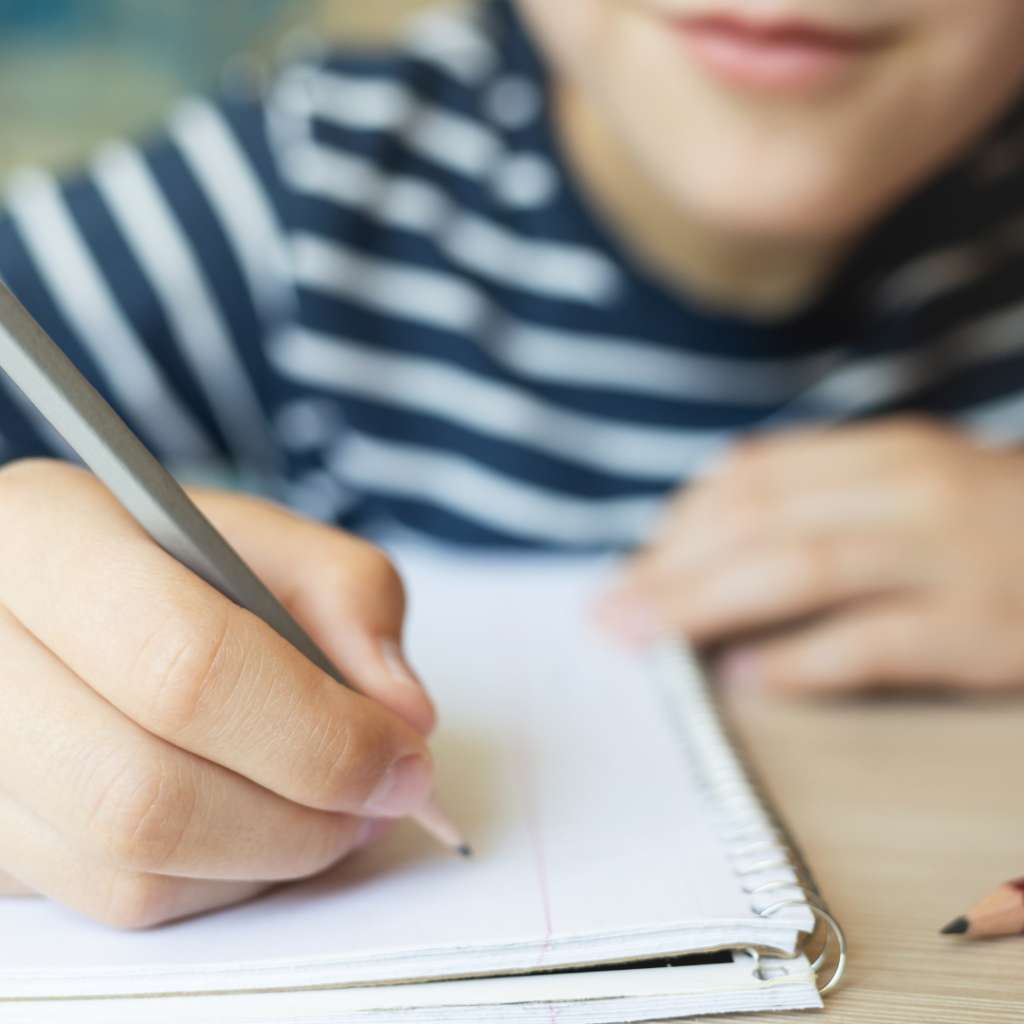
{"x":159,"y":271}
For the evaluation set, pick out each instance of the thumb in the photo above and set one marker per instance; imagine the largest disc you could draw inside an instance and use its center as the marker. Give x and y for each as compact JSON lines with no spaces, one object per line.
{"x":343,"y":591}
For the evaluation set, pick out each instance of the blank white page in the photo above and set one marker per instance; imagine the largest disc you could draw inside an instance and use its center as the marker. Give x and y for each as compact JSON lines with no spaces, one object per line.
{"x":557,"y":755}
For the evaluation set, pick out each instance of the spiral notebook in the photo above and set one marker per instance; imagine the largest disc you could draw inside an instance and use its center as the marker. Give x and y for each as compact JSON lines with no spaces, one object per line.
{"x":626,"y":867}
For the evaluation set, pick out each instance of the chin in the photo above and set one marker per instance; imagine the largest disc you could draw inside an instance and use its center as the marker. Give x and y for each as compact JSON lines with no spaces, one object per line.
{"x":824,"y":217}
{"x":798,"y":195}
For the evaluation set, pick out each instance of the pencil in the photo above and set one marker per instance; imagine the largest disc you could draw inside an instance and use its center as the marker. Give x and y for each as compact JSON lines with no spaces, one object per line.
{"x":108,"y":447}
{"x":1001,"y":912}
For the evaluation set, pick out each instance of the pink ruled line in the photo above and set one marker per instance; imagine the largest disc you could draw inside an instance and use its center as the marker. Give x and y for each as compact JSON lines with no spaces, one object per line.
{"x":526,"y":768}
{"x":535,"y":828}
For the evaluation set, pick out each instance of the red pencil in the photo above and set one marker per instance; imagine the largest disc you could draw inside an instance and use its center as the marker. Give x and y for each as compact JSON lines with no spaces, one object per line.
{"x":1001,"y":912}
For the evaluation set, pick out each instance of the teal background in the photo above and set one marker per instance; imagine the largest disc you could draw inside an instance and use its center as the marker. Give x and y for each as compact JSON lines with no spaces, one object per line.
{"x":73,"y":72}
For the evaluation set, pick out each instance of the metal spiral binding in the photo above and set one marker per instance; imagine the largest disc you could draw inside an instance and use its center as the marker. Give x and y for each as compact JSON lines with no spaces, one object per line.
{"x":753,"y":828}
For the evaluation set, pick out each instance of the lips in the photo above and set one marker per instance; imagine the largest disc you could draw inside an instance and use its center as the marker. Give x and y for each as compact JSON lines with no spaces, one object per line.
{"x":774,"y":56}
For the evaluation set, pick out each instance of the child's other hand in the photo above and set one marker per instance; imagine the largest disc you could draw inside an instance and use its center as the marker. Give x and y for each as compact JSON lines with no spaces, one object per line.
{"x":842,"y":559}
{"x":163,"y":752}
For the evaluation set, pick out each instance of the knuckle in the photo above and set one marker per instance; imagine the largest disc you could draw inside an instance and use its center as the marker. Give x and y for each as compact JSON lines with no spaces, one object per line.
{"x":814,"y":568}
{"x":345,"y":760}
{"x":748,"y":510}
{"x":335,"y":756}
{"x":377,"y":569}
{"x":135,"y":901}
{"x":141,"y":815}
{"x":936,"y":490}
{"x":363,"y":585}
{"x":356,"y":576}
{"x":183,"y":667}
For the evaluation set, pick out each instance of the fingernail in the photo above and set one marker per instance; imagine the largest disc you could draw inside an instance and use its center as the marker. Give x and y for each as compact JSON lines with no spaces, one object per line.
{"x":372,"y":830}
{"x":404,"y":787}
{"x":741,"y":669}
{"x":391,"y":652}
{"x":633,"y":618}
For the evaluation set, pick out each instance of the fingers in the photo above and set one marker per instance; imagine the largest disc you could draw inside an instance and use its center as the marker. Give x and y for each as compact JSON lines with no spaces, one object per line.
{"x":185,"y":663}
{"x":878,"y":643}
{"x":713,"y":525}
{"x":793,"y":524}
{"x":124,"y":798}
{"x":772,"y":582}
{"x":44,"y":861}
{"x":344,"y":591}
{"x":880,"y":476}
{"x":900,"y":539}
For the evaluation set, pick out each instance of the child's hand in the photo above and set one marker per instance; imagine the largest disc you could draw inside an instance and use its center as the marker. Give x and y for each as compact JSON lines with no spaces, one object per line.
{"x":163,"y":752}
{"x":890,"y":553}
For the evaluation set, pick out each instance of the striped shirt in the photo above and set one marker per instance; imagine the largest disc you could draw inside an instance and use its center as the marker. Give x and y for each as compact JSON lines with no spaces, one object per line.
{"x":376,"y":287}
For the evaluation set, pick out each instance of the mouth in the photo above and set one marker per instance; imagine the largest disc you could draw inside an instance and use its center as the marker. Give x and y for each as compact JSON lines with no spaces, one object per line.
{"x":781,"y":56}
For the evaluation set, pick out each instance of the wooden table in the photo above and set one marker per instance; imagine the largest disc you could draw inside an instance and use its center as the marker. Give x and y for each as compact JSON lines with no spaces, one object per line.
{"x":908,"y":811}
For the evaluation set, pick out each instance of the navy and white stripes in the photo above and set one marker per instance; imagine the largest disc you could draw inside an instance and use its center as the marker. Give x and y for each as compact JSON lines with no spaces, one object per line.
{"x":377,"y":288}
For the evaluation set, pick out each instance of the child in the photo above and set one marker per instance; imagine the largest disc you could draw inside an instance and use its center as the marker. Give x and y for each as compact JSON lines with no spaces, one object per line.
{"x":497,"y":298}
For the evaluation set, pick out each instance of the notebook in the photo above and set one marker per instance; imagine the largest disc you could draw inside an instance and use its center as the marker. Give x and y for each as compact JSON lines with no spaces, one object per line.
{"x":624,"y":866}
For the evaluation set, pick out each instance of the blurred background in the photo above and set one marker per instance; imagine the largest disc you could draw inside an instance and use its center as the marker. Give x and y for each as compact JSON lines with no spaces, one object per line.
{"x":73,"y":72}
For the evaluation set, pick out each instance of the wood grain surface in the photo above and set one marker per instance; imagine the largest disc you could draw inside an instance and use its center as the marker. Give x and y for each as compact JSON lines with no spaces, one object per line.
{"x":907,"y":811}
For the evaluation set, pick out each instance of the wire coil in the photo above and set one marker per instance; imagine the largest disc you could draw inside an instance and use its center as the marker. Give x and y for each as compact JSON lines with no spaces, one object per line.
{"x":759,"y":842}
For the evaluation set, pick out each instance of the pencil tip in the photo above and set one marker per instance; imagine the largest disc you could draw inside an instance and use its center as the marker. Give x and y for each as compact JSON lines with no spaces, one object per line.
{"x":957,"y":927}
{"x":465,"y":849}
{"x":438,"y":822}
